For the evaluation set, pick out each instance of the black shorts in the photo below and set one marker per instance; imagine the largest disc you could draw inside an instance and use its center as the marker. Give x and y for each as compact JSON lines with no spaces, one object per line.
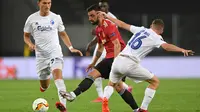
{"x":104,"y":67}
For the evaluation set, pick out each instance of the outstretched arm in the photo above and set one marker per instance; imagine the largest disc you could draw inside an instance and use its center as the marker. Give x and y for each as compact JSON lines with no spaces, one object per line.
{"x":118,"y":22}
{"x":67,"y":42}
{"x":97,"y":56}
{"x":173,"y":48}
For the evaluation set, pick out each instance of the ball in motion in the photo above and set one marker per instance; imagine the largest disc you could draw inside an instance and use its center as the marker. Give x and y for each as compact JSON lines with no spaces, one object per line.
{"x":40,"y":105}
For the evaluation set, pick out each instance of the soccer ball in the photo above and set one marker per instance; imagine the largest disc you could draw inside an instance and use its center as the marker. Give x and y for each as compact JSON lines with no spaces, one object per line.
{"x":40,"y":105}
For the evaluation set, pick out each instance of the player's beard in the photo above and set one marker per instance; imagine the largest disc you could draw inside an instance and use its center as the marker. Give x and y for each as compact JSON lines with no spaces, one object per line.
{"x":95,"y":22}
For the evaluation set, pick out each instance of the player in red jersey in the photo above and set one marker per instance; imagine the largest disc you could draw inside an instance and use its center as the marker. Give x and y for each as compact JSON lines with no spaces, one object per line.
{"x":110,"y":38}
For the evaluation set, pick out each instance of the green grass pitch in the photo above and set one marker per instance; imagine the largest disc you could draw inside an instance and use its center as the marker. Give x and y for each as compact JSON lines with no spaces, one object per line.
{"x":173,"y":95}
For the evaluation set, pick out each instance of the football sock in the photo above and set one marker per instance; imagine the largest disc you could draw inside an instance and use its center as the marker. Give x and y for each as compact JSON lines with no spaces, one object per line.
{"x":149,"y":94}
{"x":128,"y":98}
{"x":125,"y":85}
{"x":84,"y":86}
{"x":98,"y":85}
{"x":135,"y":110}
{"x":108,"y":91}
{"x":61,"y":87}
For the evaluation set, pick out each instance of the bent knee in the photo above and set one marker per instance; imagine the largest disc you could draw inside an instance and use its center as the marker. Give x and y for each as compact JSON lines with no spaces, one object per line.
{"x":155,"y":82}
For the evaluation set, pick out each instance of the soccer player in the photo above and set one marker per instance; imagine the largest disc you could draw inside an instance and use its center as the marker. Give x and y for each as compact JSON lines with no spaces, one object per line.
{"x":44,"y":26}
{"x":109,"y":37}
{"x":127,"y":63}
{"x":104,"y":6}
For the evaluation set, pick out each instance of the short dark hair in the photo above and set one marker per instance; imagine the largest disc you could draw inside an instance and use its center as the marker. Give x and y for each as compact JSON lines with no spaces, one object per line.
{"x":93,"y":7}
{"x":158,"y":22}
{"x":103,"y":1}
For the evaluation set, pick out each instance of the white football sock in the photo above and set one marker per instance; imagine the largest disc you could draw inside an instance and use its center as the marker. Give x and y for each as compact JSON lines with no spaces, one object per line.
{"x":149,"y":94}
{"x":108,"y":91}
{"x":136,"y":110}
{"x":73,"y":94}
{"x":125,"y":85}
{"x":61,"y":87}
{"x":98,"y":85}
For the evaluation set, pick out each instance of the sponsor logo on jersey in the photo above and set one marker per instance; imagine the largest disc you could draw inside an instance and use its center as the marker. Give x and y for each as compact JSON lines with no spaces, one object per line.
{"x":44,"y":28}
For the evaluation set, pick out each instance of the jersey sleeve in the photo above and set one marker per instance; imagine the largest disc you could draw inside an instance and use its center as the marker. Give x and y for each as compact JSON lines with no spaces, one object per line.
{"x":61,"y":27}
{"x":27,"y":26}
{"x":159,"y":41}
{"x":135,"y":29}
{"x":111,"y":31}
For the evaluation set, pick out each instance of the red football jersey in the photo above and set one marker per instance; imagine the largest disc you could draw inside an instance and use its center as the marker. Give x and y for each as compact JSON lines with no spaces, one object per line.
{"x":106,"y":33}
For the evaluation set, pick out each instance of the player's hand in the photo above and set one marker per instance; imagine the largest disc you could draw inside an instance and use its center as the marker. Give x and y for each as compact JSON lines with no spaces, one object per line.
{"x":101,"y":13}
{"x":31,"y":47}
{"x":90,"y":66}
{"x":187,"y":52}
{"x":76,"y":51}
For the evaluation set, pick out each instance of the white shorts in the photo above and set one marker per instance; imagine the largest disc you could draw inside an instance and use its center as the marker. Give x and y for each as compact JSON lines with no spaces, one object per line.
{"x":103,"y":55}
{"x":46,"y":66}
{"x":125,"y":66}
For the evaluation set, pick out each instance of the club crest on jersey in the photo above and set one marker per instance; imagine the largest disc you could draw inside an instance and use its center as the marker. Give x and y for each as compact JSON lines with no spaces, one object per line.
{"x":52,"y":22}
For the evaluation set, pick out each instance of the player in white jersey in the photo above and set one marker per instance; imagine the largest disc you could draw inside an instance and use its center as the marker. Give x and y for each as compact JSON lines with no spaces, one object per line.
{"x":103,"y":4}
{"x":127,"y":63}
{"x":45,"y":26}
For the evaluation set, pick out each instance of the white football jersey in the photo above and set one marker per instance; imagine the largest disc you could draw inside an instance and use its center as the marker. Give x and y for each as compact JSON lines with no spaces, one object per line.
{"x":143,"y":41}
{"x":44,"y":30}
{"x":112,"y":15}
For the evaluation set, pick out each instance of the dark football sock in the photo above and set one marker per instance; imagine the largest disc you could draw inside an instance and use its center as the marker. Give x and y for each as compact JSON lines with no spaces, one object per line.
{"x":84,"y":86}
{"x":128,"y":98}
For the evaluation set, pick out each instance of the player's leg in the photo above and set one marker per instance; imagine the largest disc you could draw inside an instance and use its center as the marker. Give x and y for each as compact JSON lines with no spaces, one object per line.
{"x":44,"y":85}
{"x":117,"y":73}
{"x":99,"y":89}
{"x":83,"y":86}
{"x":100,"y":69}
{"x":140,"y":73}
{"x":126,"y":86}
{"x":44,"y":77}
{"x":150,"y":92}
{"x":56,"y":66}
{"x":98,"y":81}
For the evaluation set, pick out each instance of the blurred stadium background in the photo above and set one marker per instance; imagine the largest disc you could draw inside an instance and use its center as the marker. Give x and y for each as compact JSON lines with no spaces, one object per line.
{"x":180,"y":76}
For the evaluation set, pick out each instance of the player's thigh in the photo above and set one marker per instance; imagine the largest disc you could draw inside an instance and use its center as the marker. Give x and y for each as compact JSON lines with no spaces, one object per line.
{"x":116,"y":73}
{"x":104,"y":67}
{"x":115,"y":76}
{"x":44,"y":77}
{"x":139,"y":73}
{"x":56,"y":66}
